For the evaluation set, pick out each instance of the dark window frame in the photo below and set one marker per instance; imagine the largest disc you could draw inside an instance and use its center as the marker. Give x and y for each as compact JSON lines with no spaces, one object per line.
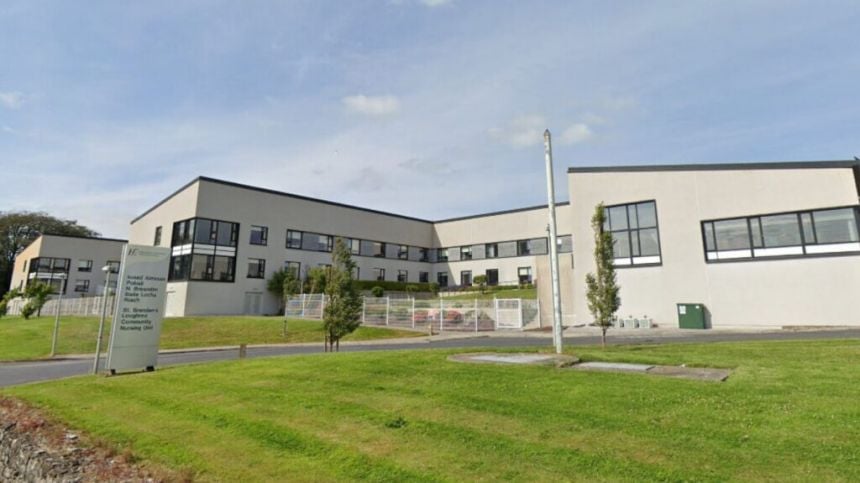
{"x":404,"y":273}
{"x":289,"y":239}
{"x":264,"y":237}
{"x":156,"y":241}
{"x":183,"y":234}
{"x":805,"y":244}
{"x":88,"y":268}
{"x":628,"y":230}
{"x":260,"y":272}
{"x":86,"y":286}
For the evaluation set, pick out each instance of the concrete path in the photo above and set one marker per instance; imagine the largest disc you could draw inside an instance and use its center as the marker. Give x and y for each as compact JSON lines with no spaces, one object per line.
{"x":14,"y":373}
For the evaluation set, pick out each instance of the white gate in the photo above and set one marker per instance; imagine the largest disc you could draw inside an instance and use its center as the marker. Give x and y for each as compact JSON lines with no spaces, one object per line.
{"x":508,"y":314}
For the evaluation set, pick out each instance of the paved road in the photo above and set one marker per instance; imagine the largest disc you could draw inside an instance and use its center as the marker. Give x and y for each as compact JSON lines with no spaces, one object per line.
{"x":24,"y":372}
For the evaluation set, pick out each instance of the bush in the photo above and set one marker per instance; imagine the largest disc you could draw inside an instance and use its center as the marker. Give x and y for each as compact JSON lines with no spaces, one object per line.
{"x":3,"y":308}
{"x":434,"y":288}
{"x":28,"y":310}
{"x":392,"y":286}
{"x":377,"y":291}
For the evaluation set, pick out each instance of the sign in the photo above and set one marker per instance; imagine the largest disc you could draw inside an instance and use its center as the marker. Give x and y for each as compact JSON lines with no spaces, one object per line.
{"x":139,"y":310}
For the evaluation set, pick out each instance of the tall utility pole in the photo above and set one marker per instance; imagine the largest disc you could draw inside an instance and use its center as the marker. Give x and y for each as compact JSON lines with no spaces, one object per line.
{"x":553,"y":246}
{"x":106,"y":270}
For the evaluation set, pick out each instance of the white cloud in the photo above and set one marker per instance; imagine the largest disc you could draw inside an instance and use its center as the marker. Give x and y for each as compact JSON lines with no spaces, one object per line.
{"x":435,"y":3}
{"x":576,"y":133}
{"x":11,"y":99}
{"x":372,"y":105}
{"x":522,"y":131}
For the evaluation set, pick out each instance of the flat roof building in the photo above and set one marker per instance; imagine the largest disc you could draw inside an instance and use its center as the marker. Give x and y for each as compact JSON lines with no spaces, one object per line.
{"x":79,"y":260}
{"x":767,"y":244}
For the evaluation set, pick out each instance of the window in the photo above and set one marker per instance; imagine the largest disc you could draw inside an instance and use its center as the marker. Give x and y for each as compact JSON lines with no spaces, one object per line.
{"x":354,"y":245}
{"x":422,"y":255}
{"x":379,"y":274}
{"x":294,"y":239}
{"x":324,"y":243}
{"x":442,"y":256}
{"x":294,"y":267}
{"x":82,"y":286}
{"x":466,"y":253}
{"x":634,"y":232}
{"x":24,"y":267}
{"x":492,"y":276}
{"x":378,"y":249}
{"x":114,"y":267}
{"x":256,"y":268}
{"x":85,"y":265}
{"x":833,"y":230}
{"x":402,"y":252}
{"x":523,"y":248}
{"x":423,"y":277}
{"x":259,"y":235}
{"x":492,"y":250}
{"x":466,"y":278}
{"x":157,"y":239}
{"x":402,"y":276}
{"x":524,"y":275}
{"x":195,"y":257}
{"x":442,"y":279}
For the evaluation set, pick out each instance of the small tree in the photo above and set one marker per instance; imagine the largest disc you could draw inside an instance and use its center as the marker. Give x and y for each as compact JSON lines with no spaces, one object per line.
{"x":377,"y":291}
{"x":603,"y":299}
{"x":317,"y":279}
{"x":481,"y":282}
{"x":7,"y":297}
{"x":36,"y":294}
{"x":342,"y":313}
{"x":283,"y":284}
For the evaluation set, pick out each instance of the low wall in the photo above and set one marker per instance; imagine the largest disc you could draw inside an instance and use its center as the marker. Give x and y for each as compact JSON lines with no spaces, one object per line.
{"x":22,"y":458}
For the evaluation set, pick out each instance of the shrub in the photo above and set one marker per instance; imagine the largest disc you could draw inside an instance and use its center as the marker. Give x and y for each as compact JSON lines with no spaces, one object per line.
{"x":391,"y":285}
{"x":28,"y":310}
{"x":377,"y":291}
{"x":434,"y":288}
{"x":3,"y":308}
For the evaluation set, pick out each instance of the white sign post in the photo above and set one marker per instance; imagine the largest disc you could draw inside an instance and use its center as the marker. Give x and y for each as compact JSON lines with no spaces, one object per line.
{"x":139,"y":308}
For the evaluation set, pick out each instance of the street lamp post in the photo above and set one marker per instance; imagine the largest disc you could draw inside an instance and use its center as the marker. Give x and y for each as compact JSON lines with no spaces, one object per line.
{"x":63,"y":284}
{"x":105,"y":269}
{"x":557,"y":329}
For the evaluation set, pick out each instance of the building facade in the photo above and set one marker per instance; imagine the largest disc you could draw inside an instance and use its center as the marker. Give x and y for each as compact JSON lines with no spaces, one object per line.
{"x":773,"y":244}
{"x":69,"y":263}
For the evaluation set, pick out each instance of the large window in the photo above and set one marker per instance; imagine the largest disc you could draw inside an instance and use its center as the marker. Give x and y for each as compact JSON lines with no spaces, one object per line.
{"x":815,"y":232}
{"x":635,"y":233}
{"x":379,"y":274}
{"x":378,"y":249}
{"x":294,"y":239}
{"x":423,"y":277}
{"x":256,"y":268}
{"x":442,"y":256}
{"x":402,"y":276}
{"x":466,"y":253}
{"x":354,"y":245}
{"x":492,"y":276}
{"x":491,"y":250}
{"x":203,"y":250}
{"x":259,"y":235}
{"x":402,"y":252}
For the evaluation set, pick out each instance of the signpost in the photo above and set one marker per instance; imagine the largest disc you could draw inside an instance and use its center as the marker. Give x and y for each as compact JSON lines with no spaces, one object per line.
{"x":139,"y":308}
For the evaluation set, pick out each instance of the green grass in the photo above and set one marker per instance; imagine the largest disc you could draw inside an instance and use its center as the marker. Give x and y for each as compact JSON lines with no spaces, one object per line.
{"x":789,"y":412}
{"x":31,"y":339}
{"x":516,"y":293}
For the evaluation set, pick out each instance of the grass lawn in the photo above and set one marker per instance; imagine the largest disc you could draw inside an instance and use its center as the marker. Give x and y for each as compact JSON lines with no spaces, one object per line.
{"x":31,"y":339}
{"x":789,"y":412}
{"x":515,"y":293}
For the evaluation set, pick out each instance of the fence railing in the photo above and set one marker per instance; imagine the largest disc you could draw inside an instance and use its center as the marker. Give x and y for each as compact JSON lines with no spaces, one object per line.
{"x":474,"y":315}
{"x":80,"y":306}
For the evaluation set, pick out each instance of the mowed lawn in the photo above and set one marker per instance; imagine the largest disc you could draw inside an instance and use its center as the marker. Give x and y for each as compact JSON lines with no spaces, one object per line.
{"x":31,"y":339}
{"x":789,"y":412}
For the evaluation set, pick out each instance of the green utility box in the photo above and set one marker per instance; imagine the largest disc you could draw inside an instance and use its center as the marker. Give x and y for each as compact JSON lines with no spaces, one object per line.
{"x":691,"y":316}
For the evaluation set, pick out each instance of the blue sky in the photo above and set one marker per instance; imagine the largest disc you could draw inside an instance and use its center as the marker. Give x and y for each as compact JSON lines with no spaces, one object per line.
{"x":428,"y":108}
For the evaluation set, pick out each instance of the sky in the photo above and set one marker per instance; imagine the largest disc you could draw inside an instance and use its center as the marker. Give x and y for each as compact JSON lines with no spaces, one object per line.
{"x":428,"y":108}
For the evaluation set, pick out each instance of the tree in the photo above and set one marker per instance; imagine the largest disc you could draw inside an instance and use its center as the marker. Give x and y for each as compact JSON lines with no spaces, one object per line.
{"x":283,"y":285}
{"x":481,"y":282}
{"x":7,"y":297}
{"x":603,"y":299}
{"x":19,"y":228}
{"x":37,"y":294}
{"x":317,"y":279}
{"x":342,"y":314}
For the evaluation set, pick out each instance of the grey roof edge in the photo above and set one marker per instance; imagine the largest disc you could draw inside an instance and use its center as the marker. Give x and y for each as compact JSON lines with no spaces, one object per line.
{"x":82,"y":237}
{"x":717,"y":166}
{"x":332,"y":203}
{"x":503,"y":212}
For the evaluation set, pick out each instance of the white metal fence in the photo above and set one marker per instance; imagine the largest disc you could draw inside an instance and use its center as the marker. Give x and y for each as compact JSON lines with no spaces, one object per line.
{"x":81,"y":306}
{"x":442,"y":315}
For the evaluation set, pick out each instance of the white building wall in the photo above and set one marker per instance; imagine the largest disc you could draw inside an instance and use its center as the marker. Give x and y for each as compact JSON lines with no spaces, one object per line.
{"x":810,"y":291}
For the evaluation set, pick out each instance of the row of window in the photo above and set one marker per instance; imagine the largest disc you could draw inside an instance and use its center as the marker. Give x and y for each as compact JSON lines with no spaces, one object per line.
{"x":61,"y":265}
{"x":515,"y":248}
{"x":798,"y":233}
